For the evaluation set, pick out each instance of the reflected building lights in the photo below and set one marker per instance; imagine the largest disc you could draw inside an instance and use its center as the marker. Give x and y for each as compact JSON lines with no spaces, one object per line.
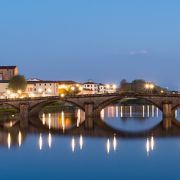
{"x":81,"y":142}
{"x":49,"y":121}
{"x":117,"y":112}
{"x":148,"y":111}
{"x":121,"y":111}
{"x":111,"y":111}
{"x":43,"y":119}
{"x":10,"y":124}
{"x":62,"y":121}
{"x":152,"y":110}
{"x":9,"y":140}
{"x":176,"y":114}
{"x":78,"y":117}
{"x":73,"y":144}
{"x":143,"y":111}
{"x":157,"y":112}
{"x":19,"y":138}
{"x":108,"y":146}
{"x":49,"y":140}
{"x":130,"y":111}
{"x":40,"y":142}
{"x":102,"y":114}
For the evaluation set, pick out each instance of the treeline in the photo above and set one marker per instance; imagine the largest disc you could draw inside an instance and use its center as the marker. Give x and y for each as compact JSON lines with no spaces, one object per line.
{"x":140,"y":86}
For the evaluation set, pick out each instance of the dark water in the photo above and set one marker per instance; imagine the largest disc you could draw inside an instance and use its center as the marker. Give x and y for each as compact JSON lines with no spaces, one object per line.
{"x":37,"y":155}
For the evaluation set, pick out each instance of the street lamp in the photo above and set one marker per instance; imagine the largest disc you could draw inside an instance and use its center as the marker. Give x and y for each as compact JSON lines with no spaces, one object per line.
{"x":149,"y":86}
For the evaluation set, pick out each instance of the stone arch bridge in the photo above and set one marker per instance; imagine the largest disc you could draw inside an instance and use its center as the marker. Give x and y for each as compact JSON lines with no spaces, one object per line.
{"x":93,"y":104}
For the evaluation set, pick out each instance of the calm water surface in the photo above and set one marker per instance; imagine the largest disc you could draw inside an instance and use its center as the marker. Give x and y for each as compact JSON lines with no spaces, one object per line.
{"x":48,"y":156}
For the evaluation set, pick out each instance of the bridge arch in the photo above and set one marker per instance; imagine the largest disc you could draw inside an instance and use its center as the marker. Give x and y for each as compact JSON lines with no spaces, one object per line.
{"x":118,"y":98}
{"x":35,"y":109}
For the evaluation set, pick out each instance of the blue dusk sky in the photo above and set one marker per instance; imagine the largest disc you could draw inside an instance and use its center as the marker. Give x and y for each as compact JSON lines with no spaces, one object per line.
{"x":102,"y":40}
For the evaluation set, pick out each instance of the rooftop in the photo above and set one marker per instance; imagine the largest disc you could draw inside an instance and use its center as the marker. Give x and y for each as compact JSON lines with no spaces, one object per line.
{"x":4,"y":81}
{"x":8,"y":67}
{"x":50,"y":81}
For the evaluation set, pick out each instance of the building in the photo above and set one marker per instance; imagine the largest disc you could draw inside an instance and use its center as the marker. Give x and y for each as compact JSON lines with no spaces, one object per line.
{"x":98,"y":88}
{"x":41,"y":88}
{"x":36,"y":87}
{"x":3,"y":88}
{"x":7,"y":72}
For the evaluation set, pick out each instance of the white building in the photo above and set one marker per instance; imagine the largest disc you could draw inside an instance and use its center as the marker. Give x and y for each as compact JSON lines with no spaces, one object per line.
{"x":98,"y":88}
{"x":36,"y":87}
{"x":42,"y":88}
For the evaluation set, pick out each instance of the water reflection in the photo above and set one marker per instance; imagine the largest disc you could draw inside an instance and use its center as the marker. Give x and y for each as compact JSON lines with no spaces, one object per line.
{"x":150,"y":143}
{"x":40,"y":142}
{"x":81,"y":142}
{"x":9,"y":140}
{"x":19,"y":138}
{"x":73,"y":144}
{"x":108,"y":146}
{"x":49,"y":140}
{"x":63,"y":120}
{"x":112,"y":142}
{"x":131,"y":117}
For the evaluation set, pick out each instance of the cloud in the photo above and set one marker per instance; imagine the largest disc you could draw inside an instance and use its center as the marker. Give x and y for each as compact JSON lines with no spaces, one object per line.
{"x":139,"y":52}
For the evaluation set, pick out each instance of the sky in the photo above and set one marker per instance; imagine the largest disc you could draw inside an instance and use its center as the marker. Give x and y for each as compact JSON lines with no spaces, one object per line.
{"x":101,"y":40}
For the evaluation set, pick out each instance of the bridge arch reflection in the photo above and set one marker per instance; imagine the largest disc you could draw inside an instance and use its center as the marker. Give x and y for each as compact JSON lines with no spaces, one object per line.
{"x":130,"y":115}
{"x":120,"y":98}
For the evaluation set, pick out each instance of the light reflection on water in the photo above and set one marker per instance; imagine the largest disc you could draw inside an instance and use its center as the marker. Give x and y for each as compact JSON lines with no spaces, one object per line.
{"x":62,"y":120}
{"x":76,"y":143}
{"x":131,"y":117}
{"x":107,"y":157}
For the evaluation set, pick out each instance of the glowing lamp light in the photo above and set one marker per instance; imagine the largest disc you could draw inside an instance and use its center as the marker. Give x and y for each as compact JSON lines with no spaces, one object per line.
{"x":19,"y":91}
{"x":147,"y":86}
{"x":107,"y":86}
{"x":72,"y":88}
{"x":80,"y":88}
{"x":114,"y":86}
{"x":63,"y":86}
{"x":151,"y":86}
{"x":40,"y":90}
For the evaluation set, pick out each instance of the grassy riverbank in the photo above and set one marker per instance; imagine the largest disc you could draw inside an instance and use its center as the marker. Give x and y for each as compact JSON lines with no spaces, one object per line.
{"x":8,"y":111}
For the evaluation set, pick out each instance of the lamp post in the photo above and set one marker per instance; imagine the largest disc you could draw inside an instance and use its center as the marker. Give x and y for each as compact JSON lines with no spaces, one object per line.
{"x":149,"y":87}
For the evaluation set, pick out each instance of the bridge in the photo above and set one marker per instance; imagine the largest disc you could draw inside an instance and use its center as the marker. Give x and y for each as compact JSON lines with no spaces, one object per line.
{"x":93,"y":104}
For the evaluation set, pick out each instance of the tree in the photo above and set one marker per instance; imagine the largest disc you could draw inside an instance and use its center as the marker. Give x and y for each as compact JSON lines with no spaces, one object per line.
{"x":138,"y":85}
{"x":17,"y":83}
{"x":123,"y":82}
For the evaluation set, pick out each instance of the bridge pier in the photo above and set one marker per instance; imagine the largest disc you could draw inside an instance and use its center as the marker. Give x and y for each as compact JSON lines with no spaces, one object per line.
{"x":24,"y":115}
{"x":89,"y":115}
{"x":167,"y":115}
